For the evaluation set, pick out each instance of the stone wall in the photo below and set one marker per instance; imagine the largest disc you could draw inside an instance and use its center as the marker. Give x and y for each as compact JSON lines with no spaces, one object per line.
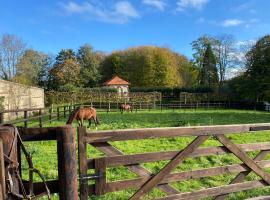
{"x":17,"y":96}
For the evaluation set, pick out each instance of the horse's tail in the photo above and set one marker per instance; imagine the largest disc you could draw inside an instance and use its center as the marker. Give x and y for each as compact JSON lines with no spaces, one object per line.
{"x":97,"y":120}
{"x":73,"y":116}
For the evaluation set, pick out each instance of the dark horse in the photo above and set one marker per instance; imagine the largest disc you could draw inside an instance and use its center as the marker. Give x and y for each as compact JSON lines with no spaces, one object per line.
{"x":85,"y":113}
{"x":124,"y":107}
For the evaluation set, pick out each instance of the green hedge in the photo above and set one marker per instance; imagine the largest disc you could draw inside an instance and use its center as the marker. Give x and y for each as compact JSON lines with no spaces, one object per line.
{"x":172,"y":91}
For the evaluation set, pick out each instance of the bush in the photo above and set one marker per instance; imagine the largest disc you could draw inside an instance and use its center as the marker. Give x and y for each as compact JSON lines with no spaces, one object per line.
{"x":173,"y":92}
{"x":68,"y":88}
{"x":98,"y":89}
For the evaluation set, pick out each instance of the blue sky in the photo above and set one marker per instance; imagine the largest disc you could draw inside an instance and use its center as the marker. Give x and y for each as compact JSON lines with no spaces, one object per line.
{"x":50,"y":25}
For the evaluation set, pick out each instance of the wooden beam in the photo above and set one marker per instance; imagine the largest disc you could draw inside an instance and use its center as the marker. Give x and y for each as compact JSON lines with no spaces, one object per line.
{"x":109,"y":150}
{"x":242,"y":175}
{"x":180,"y":157}
{"x":137,"y":134}
{"x":82,"y":154}
{"x":100,"y":170}
{"x":2,"y":172}
{"x":182,"y":176}
{"x":38,"y":134}
{"x":211,"y":192}
{"x":244,"y":158}
{"x":122,"y":160}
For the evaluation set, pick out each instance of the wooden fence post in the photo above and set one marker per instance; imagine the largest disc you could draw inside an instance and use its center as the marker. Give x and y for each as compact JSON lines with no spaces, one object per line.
{"x":25,"y":117}
{"x":64,"y":111}
{"x":2,"y":172}
{"x":40,"y":118}
{"x":50,"y":115}
{"x":67,"y":170}
{"x":82,"y":151}
{"x":100,"y":170}
{"x":69,"y":109}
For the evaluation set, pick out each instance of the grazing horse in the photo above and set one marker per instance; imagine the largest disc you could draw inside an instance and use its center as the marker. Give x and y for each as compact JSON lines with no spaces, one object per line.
{"x":85,"y":113}
{"x":124,"y":107}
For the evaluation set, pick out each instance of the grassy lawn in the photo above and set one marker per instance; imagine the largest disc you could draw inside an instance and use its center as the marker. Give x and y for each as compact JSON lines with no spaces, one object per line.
{"x":44,"y":153}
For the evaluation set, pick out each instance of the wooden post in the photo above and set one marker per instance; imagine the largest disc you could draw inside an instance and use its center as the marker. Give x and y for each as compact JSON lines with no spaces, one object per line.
{"x":67,"y":170}
{"x":40,"y":118}
{"x":50,"y":115}
{"x":100,"y":170}
{"x":25,"y":117}
{"x":58,"y":113}
{"x":2,"y":172}
{"x":82,"y":151}
{"x":64,"y":111}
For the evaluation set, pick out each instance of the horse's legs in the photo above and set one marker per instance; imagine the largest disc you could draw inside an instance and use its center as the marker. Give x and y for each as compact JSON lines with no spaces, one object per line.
{"x":95,"y":121}
{"x":81,"y":122}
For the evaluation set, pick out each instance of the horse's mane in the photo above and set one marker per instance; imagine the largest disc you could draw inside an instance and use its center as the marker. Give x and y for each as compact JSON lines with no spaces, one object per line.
{"x":73,"y":116}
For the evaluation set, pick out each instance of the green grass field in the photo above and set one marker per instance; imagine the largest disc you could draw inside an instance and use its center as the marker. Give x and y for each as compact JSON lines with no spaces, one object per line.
{"x":44,"y":153}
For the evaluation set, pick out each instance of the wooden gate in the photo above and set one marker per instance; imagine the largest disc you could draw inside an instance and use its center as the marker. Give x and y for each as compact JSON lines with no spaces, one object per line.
{"x":147,"y":181}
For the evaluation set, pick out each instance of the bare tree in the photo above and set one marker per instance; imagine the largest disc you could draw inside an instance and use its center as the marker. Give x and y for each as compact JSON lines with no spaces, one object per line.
{"x":11,"y":49}
{"x":225,"y":54}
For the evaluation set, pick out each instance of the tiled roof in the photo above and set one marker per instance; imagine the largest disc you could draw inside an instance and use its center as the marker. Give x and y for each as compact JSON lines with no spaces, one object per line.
{"x":116,"y":81}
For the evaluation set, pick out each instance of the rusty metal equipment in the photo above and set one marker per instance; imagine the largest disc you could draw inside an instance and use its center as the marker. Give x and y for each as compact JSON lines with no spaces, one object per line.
{"x":14,"y":186}
{"x":66,"y":185}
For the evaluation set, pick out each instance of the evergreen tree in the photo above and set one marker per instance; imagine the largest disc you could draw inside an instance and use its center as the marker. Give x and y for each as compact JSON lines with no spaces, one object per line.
{"x":209,"y":75}
{"x":258,"y":70}
{"x":65,"y":71}
{"x":90,"y":66}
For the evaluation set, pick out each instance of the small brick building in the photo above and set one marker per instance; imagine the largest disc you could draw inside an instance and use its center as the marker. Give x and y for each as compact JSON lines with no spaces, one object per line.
{"x":121,"y":85}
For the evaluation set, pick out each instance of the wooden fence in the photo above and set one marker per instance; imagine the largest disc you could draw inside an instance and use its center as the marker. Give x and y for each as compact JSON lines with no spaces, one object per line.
{"x":66,"y":185}
{"x":147,"y":181}
{"x":40,"y":116}
{"x":43,"y":116}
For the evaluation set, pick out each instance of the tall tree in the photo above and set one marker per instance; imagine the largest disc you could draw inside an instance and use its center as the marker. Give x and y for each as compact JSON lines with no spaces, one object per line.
{"x":11,"y":50}
{"x":226,"y":55}
{"x":90,"y":65}
{"x":30,"y":67}
{"x":65,"y":71}
{"x":145,"y":66}
{"x":258,"y":70}
{"x":199,"y":47}
{"x":223,"y":47}
{"x":209,"y":75}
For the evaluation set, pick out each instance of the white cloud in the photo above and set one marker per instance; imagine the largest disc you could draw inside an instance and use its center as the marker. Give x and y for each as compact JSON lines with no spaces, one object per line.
{"x":232,"y":22}
{"x":126,"y":9}
{"x":119,"y":12}
{"x":197,"y":4}
{"x":159,"y":4}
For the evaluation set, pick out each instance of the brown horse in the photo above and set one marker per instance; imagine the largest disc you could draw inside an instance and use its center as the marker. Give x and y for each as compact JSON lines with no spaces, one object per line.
{"x":85,"y":113}
{"x":124,"y":107}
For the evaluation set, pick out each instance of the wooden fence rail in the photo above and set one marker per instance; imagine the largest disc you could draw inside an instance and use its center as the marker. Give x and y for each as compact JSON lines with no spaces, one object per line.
{"x":39,"y":116}
{"x":146,"y":180}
